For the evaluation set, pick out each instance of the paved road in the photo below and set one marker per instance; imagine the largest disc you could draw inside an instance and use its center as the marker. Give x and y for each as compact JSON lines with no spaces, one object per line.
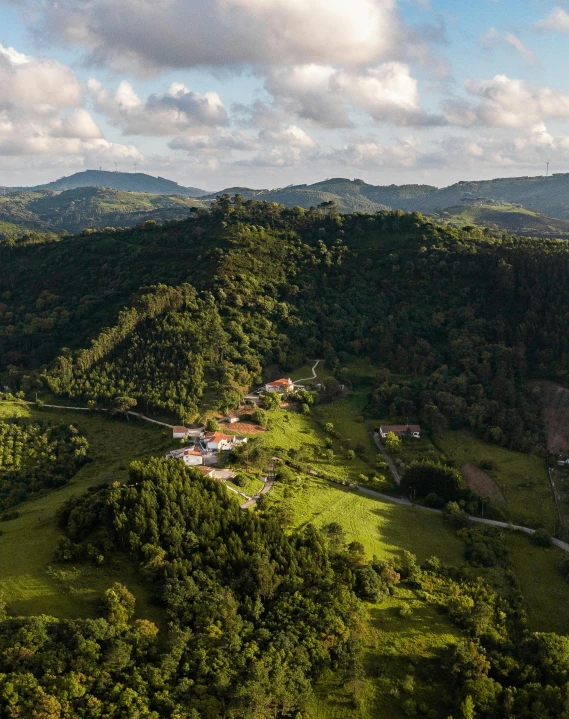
{"x":387,"y":457}
{"x":482,"y":520}
{"x":306,"y":379}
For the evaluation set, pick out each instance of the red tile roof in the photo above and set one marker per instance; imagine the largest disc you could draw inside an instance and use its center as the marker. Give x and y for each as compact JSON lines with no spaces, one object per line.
{"x":217,"y":436}
{"x":194,"y":451}
{"x":280,"y":383}
{"x":178,"y":429}
{"x":205,"y":470}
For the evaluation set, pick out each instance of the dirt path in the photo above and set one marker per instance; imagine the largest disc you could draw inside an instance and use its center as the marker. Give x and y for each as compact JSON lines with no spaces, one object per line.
{"x":102,"y":409}
{"x":269,"y":484}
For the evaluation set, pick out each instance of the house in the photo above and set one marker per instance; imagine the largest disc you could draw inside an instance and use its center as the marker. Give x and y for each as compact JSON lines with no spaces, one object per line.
{"x":400,"y":430}
{"x":231,"y":418}
{"x":192,"y":456}
{"x":280,"y":385}
{"x":217,"y":441}
{"x":178,"y":432}
{"x":207,"y":471}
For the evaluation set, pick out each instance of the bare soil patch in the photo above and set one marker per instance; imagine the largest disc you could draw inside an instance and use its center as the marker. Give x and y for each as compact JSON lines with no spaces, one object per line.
{"x":481,"y":483}
{"x":555,"y":400}
{"x":242,"y":427}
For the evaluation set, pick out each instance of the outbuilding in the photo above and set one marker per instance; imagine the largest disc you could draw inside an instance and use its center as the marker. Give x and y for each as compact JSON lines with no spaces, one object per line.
{"x":400,"y":430}
{"x":178,"y":432}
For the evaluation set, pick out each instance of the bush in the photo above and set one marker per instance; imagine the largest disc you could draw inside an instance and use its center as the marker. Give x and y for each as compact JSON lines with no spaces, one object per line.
{"x":260,"y":417}
{"x":212,"y":425}
{"x":541,"y":538}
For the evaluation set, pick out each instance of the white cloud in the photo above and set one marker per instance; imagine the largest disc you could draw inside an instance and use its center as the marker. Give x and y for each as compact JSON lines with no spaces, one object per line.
{"x":493,"y":38}
{"x":42,"y":113}
{"x":192,"y":33}
{"x":556,"y":21}
{"x":173,"y":112}
{"x":508,"y":102}
{"x":323,"y":94}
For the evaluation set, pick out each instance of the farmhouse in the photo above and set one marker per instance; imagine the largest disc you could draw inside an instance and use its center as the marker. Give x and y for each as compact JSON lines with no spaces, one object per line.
{"x":400,"y":430}
{"x":231,"y":418}
{"x":280,"y":385}
{"x":178,"y":432}
{"x":217,"y":441}
{"x":207,"y":471}
{"x":192,"y":456}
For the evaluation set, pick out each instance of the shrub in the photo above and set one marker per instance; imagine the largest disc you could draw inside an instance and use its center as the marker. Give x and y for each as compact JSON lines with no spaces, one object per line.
{"x":212,"y":425}
{"x":541,"y":538}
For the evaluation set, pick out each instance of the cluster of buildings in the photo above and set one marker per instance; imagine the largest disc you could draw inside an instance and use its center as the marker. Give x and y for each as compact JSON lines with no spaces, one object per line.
{"x":205,"y":445}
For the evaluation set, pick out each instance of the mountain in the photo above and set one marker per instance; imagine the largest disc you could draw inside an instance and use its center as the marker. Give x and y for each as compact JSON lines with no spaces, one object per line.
{"x":543,"y":195}
{"x":85,"y":208}
{"x":129,"y":181}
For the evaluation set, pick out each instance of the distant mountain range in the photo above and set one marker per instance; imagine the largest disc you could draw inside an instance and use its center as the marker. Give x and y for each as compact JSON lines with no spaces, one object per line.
{"x":128,"y":181}
{"x":524,"y":205}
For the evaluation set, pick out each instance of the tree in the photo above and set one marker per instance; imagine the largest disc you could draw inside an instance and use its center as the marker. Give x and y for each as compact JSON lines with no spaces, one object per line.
{"x":260,"y":417}
{"x":119,"y":604}
{"x":270,"y":400}
{"x":212,"y":425}
{"x":123,"y":404}
{"x":425,"y":477}
{"x":393,"y":443}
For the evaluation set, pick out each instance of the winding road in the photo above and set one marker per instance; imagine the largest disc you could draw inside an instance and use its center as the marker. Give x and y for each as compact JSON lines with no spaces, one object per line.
{"x":307,"y":379}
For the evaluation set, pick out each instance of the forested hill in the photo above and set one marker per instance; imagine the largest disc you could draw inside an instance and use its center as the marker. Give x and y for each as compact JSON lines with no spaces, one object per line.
{"x":128,"y":181}
{"x":85,"y":208}
{"x":168,"y":315}
{"x":545,"y":195}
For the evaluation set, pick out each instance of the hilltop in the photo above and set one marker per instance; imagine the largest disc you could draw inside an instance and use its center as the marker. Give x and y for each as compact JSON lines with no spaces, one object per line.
{"x":129,"y":181}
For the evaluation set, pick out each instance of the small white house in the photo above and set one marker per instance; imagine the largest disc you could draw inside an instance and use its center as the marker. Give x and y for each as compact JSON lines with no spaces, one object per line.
{"x":217,"y":441}
{"x":231,"y":418}
{"x":192,"y":457}
{"x":400,"y":430}
{"x":280,"y":385}
{"x":179,"y":432}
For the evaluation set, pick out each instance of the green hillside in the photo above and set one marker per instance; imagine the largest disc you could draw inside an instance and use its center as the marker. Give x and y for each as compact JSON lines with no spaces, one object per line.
{"x":84,"y":208}
{"x":513,"y":219}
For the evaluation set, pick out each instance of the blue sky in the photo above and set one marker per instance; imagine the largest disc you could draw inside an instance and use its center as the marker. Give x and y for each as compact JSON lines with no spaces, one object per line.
{"x":265,"y":93}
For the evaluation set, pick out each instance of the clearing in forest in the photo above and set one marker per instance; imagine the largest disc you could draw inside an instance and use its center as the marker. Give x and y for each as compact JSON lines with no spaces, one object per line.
{"x":481,"y":483}
{"x":555,"y":399}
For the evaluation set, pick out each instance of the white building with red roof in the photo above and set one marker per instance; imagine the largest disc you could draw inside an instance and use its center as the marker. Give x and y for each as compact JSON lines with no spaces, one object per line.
{"x":178,"y":432}
{"x":280,"y":385}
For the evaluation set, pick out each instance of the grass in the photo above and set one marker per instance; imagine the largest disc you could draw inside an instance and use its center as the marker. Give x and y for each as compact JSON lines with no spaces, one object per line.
{"x":27,"y":582}
{"x":383,"y":528}
{"x":251,"y":487}
{"x":522,"y":479}
{"x":543,"y":586}
{"x":291,"y":430}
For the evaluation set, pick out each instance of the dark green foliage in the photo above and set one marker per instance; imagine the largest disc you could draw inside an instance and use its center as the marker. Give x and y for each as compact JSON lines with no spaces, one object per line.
{"x":256,"y":614}
{"x":541,"y":538}
{"x":423,"y":478}
{"x":35,"y":456}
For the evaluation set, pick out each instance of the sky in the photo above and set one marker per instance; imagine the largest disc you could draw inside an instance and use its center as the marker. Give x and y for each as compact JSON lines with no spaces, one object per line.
{"x":267,"y":93}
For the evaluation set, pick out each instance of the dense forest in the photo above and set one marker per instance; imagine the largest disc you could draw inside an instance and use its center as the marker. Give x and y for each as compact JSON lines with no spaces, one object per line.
{"x":258,"y":615}
{"x":36,"y":456}
{"x":459,"y":320}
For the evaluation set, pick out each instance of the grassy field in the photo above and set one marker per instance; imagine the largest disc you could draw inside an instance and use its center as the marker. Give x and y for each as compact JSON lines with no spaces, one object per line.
{"x":289,"y":429}
{"x":522,"y":479}
{"x":28,"y":582}
{"x":545,"y":590}
{"x":383,"y":528}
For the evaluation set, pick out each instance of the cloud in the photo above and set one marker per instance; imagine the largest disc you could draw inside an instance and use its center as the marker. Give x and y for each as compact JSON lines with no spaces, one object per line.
{"x":42,"y":113}
{"x":171,"y":113}
{"x":223,"y":33}
{"x":556,"y":21}
{"x":324,"y":95}
{"x":507,"y":102}
{"x":493,"y":38}
{"x":215,"y":142}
